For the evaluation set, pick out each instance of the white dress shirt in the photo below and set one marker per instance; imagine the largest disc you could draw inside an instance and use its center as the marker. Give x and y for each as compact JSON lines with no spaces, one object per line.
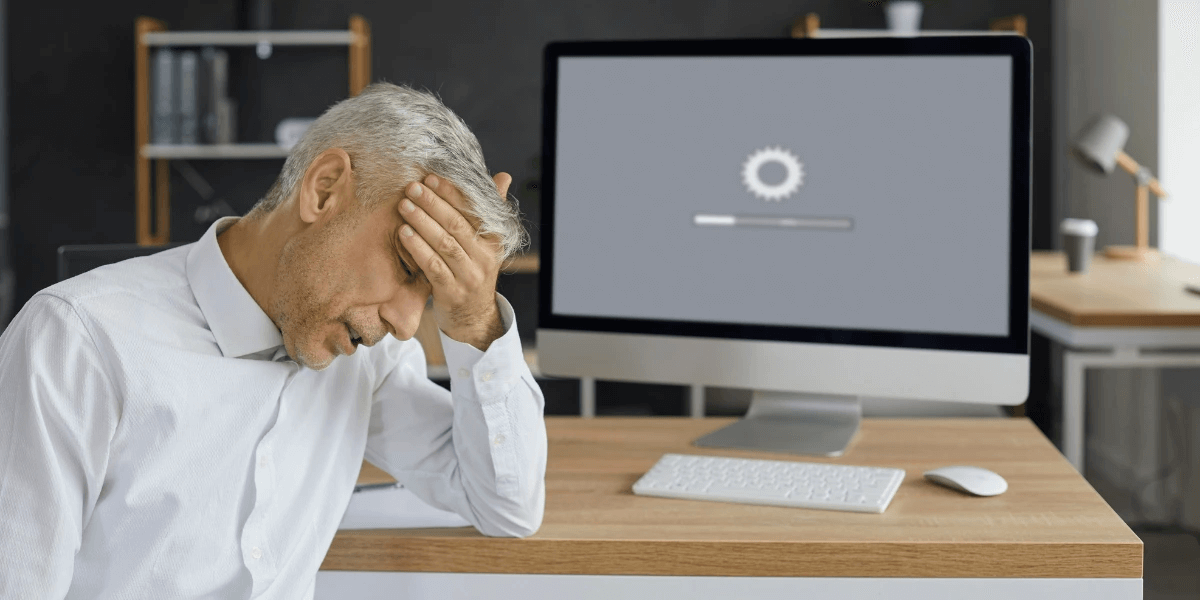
{"x":157,"y":442}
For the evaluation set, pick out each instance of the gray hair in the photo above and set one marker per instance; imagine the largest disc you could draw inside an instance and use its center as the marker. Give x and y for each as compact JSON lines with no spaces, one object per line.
{"x":395,"y":135}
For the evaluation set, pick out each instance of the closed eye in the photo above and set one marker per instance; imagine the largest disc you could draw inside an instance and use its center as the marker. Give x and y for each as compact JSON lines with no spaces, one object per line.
{"x":403,"y":273}
{"x":406,"y":272}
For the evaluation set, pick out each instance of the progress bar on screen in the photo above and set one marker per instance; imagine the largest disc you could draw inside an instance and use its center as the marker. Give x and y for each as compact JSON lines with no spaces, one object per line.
{"x":821,"y":223}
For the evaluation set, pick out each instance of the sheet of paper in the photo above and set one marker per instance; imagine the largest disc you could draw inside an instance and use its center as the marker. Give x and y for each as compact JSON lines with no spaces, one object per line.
{"x":394,"y":507}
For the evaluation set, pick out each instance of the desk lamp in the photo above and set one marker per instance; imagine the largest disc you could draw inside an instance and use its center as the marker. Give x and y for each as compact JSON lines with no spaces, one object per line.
{"x":1100,"y":147}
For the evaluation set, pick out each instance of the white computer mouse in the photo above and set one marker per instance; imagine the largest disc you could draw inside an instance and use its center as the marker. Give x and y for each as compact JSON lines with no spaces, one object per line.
{"x":972,"y":480}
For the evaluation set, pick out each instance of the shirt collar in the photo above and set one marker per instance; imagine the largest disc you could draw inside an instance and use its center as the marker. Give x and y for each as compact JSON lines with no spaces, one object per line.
{"x":239,"y":325}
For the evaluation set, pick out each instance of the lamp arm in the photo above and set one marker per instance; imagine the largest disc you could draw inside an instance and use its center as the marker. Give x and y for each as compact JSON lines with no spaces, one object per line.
{"x":1127,"y":163}
{"x":1140,"y":173}
{"x":1157,"y":189}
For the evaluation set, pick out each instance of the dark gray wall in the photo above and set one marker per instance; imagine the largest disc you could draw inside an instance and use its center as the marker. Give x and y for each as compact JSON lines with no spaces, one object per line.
{"x":71,"y":91}
{"x":72,"y":88}
{"x":7,"y":277}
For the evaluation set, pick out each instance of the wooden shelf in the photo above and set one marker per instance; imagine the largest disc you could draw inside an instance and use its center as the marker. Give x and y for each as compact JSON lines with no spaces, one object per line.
{"x":871,"y":33}
{"x":809,"y":26}
{"x":522,"y":263}
{"x":249,"y":38}
{"x":202,"y":151}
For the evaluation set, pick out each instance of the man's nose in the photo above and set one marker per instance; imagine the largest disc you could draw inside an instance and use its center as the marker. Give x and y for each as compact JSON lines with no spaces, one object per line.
{"x":403,"y":313}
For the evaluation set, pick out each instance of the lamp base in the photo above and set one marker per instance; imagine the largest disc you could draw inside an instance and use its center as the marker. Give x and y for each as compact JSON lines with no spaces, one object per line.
{"x":1132,"y":253}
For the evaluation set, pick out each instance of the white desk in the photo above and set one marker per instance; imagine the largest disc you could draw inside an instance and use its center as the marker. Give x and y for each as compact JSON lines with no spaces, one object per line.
{"x":1118,"y":314}
{"x":1050,"y":536}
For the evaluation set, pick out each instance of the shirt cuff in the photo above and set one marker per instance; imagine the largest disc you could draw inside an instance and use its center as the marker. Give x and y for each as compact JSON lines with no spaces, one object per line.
{"x":462,"y":359}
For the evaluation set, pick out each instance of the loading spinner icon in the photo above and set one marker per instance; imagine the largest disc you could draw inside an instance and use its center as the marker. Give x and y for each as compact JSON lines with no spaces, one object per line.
{"x":792,"y":181}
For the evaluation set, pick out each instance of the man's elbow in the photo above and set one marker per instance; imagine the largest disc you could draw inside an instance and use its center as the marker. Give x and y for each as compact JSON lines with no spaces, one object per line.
{"x":519,"y":521}
{"x":511,"y":529}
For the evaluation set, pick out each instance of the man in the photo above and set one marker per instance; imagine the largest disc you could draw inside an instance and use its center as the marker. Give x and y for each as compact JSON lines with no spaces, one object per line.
{"x":191,"y":424}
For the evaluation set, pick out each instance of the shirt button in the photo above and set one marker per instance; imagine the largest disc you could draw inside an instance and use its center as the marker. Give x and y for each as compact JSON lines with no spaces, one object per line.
{"x":263,"y":461}
{"x":499,"y":439}
{"x":256,"y":552}
{"x":487,"y":376}
{"x":464,"y":373}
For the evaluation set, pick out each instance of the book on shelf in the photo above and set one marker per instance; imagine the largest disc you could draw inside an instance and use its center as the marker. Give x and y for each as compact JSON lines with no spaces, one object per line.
{"x":226,"y":122}
{"x":190,"y":101}
{"x":218,"y":124}
{"x":163,"y":76}
{"x":189,"y":98}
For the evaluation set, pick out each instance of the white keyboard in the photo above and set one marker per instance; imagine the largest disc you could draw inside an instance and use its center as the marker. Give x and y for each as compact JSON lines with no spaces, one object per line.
{"x":775,"y":482}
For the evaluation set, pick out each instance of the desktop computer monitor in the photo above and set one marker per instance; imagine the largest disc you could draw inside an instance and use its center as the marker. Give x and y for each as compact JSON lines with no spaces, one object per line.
{"x":816,"y":220}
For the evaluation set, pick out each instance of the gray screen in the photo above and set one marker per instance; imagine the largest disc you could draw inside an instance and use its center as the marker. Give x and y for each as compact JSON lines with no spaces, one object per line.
{"x":835,"y":192}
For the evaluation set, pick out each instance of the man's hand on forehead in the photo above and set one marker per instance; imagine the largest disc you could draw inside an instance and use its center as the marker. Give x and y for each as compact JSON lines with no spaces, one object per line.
{"x":460,"y":264}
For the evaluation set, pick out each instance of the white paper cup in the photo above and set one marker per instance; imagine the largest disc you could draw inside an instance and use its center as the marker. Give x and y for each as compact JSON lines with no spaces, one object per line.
{"x":1079,"y":240}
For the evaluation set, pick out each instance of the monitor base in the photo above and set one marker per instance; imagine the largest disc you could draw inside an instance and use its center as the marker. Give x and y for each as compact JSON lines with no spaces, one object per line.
{"x":812,"y":424}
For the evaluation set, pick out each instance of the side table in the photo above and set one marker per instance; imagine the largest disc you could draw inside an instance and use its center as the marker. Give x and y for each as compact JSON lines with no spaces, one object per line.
{"x":1119,"y":313}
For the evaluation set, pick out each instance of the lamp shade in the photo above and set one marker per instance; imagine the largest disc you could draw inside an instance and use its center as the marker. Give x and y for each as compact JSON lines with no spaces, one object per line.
{"x":1099,"y":143}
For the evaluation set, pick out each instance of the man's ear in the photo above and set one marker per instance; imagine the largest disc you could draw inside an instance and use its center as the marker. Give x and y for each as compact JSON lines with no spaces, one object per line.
{"x":327,"y":186}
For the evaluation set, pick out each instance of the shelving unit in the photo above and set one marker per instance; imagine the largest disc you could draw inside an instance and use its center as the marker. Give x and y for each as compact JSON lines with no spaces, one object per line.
{"x":809,"y":26}
{"x":153,"y":33}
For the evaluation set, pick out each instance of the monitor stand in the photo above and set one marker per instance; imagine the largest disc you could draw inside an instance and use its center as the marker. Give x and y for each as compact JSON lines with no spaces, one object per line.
{"x":794,"y":423}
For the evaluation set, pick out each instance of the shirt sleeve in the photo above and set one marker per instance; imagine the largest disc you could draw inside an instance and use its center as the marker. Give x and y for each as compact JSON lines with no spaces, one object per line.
{"x":478,"y":449}
{"x":58,"y":412}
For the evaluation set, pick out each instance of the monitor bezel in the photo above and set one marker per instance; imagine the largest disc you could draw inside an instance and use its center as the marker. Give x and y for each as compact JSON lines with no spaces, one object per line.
{"x":1016,"y":47}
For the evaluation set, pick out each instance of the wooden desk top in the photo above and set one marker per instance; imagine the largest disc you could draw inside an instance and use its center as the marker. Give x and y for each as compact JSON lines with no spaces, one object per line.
{"x":1050,"y":523}
{"x":1115,"y":293}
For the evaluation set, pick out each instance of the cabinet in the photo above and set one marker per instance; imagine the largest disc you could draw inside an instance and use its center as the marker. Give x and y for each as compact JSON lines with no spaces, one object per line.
{"x":153,"y":33}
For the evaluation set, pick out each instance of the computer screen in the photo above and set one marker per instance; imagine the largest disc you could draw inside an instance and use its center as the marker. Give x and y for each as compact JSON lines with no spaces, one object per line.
{"x":842,"y":192}
{"x":839,"y":218}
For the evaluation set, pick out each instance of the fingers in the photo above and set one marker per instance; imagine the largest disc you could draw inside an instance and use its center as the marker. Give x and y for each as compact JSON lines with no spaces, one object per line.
{"x":446,"y":206}
{"x":435,"y":250}
{"x":428,"y":260}
{"x":441,"y":224}
{"x":441,"y":239}
{"x":503,"y":181}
